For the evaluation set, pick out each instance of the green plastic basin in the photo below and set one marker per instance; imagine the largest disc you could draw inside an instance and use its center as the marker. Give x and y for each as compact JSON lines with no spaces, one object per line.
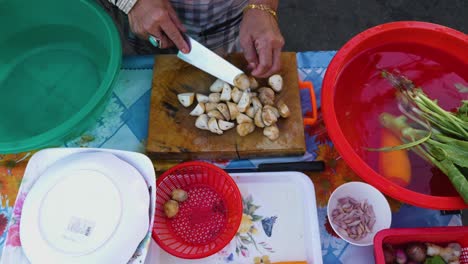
{"x":59,"y":60}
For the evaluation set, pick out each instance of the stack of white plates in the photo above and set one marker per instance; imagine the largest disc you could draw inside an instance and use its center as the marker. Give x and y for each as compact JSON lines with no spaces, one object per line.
{"x":89,"y":207}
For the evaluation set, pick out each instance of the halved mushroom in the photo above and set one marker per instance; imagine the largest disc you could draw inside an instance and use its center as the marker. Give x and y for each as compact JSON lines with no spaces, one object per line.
{"x":216,"y":114}
{"x":210,"y":106}
{"x":186,"y":99}
{"x":217,"y":86}
{"x":202,"y":122}
{"x":276,"y":82}
{"x":273,"y":109}
{"x":245,"y":128}
{"x":226,"y":93}
{"x":271,"y":132}
{"x":266,"y":96}
{"x":283,"y":109}
{"x":253,"y":83}
{"x":233,"y":111}
{"x":241,"y":118}
{"x":258,"y":119}
{"x":268,"y":117}
{"x":213,"y":126}
{"x":236,"y":95}
{"x":250,"y":112}
{"x":244,"y":102}
{"x":256,"y":104}
{"x":242,"y":81}
{"x":201,"y":98}
{"x":215,"y":97}
{"x":223,"y":108}
{"x":198,"y":110}
{"x":224,"y":125}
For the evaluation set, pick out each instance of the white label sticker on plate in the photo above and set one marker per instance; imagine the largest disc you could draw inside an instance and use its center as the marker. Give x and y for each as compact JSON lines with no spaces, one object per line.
{"x":79,"y":229}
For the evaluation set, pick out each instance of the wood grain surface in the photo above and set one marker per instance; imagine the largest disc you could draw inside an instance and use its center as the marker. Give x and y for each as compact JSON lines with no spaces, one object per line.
{"x":172,"y":131}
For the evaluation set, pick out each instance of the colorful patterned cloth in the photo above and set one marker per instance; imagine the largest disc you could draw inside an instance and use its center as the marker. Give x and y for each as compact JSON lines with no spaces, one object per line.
{"x":123,"y":125}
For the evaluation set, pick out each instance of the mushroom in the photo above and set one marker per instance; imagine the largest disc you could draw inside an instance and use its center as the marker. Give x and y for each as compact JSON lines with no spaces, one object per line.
{"x":217,"y":86}
{"x":210,"y":106}
{"x":171,"y":208}
{"x":198,"y":110}
{"x":226,"y":93}
{"x":253,"y":82}
{"x":179,"y":195}
{"x":233,"y":111}
{"x":202,"y":122}
{"x":271,"y":132}
{"x":245,"y":128}
{"x":186,"y":99}
{"x":225,"y":125}
{"x":216,"y":114}
{"x":244,"y":102}
{"x":241,"y":118}
{"x":283,"y":109}
{"x":214,"y":97}
{"x":273,"y":109}
{"x":250,"y":112}
{"x":223,"y":108}
{"x":266,"y":96}
{"x":256,"y":104}
{"x":276,"y":82}
{"x":236,"y":95}
{"x":252,"y":95}
{"x":268,"y":117}
{"x":258,"y":119}
{"x":201,"y":98}
{"x":213,"y":126}
{"x":242,"y":81}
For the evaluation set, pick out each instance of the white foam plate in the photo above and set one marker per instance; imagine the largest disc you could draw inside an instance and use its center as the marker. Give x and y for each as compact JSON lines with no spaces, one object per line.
{"x":89,"y":206}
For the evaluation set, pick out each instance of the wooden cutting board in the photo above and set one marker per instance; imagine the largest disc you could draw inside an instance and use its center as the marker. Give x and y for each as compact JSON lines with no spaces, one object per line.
{"x":172,"y":131}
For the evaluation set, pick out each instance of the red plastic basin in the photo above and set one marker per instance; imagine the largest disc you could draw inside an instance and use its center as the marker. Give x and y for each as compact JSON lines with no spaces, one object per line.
{"x":335,"y":98}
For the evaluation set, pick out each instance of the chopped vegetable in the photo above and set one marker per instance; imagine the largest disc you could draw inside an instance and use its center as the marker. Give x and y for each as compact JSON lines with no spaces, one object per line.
{"x":171,"y":208}
{"x":450,"y":253}
{"x":242,"y":82}
{"x":389,"y":254}
{"x":186,"y":99}
{"x":400,"y":256}
{"x":416,"y":251}
{"x":179,"y":195}
{"x":434,"y":260}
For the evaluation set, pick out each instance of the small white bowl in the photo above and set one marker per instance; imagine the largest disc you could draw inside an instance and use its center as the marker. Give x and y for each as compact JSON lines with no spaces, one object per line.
{"x":361,"y":192}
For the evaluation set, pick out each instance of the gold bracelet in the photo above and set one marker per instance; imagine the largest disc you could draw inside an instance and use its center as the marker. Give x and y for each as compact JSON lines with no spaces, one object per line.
{"x":263,"y":8}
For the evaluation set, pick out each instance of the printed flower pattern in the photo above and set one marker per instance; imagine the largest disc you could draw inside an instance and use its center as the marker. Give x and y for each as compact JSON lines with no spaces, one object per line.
{"x":245,"y":238}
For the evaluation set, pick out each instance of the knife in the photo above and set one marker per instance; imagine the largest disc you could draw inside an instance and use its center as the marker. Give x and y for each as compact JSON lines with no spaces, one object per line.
{"x":313,"y":166}
{"x":210,"y":62}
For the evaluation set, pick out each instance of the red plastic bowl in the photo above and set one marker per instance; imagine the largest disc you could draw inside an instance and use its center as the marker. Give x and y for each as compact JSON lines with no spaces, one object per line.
{"x":434,"y":36}
{"x":210,"y":217}
{"x":437,"y":235}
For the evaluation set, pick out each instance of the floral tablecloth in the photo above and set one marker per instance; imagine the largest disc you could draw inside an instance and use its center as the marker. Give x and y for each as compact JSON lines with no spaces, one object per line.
{"x":124,"y":125}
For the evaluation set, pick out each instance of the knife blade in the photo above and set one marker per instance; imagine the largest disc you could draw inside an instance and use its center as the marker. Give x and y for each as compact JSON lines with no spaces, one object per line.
{"x":312,"y":166}
{"x":210,"y":62}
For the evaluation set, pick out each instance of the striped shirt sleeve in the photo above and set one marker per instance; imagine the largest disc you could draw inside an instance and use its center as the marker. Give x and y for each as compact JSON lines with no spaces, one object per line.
{"x":124,"y":5}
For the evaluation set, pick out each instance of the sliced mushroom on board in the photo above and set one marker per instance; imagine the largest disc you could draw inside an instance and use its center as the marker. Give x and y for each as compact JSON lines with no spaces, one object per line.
{"x":233,"y":111}
{"x":186,"y":99}
{"x":198,"y":110}
{"x":276,"y":82}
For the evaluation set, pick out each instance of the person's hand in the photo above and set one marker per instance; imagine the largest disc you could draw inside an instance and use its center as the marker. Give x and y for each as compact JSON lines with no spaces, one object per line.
{"x":158,"y":18}
{"x":261,"y":40}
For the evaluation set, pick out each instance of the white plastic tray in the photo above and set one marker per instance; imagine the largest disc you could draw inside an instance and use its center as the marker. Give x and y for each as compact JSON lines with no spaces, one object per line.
{"x":295,"y":236}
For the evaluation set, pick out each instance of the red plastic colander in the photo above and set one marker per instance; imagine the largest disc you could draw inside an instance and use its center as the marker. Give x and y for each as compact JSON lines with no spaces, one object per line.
{"x":210,"y":217}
